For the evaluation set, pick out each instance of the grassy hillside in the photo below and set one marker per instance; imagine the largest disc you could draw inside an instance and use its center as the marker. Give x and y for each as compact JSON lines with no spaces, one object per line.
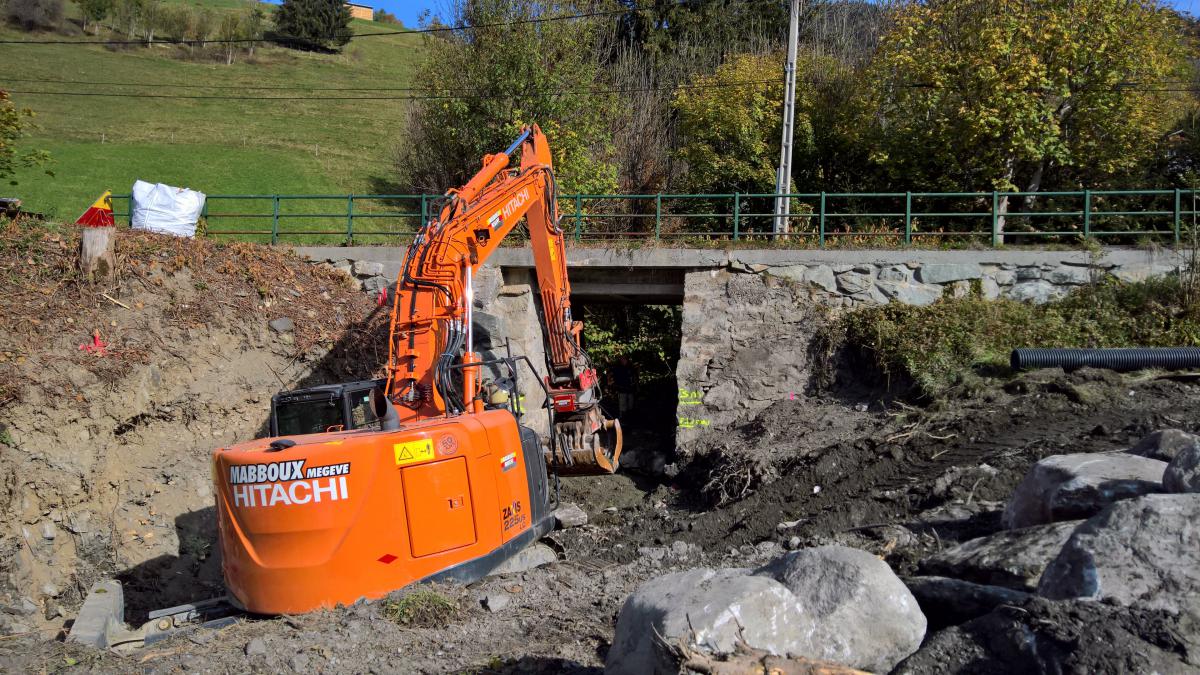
{"x":254,"y":146}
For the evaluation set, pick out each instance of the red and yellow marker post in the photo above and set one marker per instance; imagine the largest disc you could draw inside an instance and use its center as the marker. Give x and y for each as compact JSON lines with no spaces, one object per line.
{"x":99,"y":214}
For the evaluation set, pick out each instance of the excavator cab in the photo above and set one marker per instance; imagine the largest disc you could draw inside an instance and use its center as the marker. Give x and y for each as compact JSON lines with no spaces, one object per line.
{"x":326,"y":407}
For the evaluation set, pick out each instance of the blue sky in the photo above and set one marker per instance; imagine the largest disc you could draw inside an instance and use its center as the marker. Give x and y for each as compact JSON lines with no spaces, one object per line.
{"x":409,"y":10}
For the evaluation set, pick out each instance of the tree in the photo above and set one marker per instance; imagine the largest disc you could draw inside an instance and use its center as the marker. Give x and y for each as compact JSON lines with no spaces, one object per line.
{"x":1001,"y":93}
{"x":230,"y":29}
{"x":201,"y":27}
{"x":151,"y":12}
{"x":384,"y":16}
{"x":489,"y":79}
{"x":125,"y":16}
{"x":729,"y":133}
{"x":313,"y":24}
{"x":93,"y":11}
{"x":35,"y":14}
{"x":14,"y":124}
{"x":176,"y":22}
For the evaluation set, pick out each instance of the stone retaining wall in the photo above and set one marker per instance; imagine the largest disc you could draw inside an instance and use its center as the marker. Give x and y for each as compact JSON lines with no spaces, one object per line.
{"x":749,"y":316}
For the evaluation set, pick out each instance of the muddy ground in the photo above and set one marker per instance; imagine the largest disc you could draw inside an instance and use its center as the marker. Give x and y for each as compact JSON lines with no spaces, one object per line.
{"x":911,"y":482}
{"x":110,"y":457}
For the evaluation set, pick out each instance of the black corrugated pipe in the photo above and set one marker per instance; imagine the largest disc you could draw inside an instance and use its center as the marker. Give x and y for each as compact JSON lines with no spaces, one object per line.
{"x":1136,"y":358}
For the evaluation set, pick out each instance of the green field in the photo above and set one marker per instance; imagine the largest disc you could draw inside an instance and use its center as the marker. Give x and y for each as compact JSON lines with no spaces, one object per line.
{"x":253,"y":146}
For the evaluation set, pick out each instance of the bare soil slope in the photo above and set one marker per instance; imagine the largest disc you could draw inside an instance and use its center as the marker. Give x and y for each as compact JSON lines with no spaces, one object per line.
{"x":104,"y":455}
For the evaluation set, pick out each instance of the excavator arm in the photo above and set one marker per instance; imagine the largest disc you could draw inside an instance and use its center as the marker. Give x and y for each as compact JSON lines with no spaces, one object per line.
{"x":431,"y":342}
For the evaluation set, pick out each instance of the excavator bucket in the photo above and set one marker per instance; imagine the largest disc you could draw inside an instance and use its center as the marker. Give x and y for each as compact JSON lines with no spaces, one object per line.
{"x":586,"y":445}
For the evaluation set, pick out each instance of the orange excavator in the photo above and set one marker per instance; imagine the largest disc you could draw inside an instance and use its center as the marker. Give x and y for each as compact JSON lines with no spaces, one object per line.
{"x":430,"y":476}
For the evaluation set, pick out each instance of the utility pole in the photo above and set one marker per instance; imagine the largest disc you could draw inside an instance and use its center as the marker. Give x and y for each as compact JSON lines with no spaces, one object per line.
{"x":783,"y":177}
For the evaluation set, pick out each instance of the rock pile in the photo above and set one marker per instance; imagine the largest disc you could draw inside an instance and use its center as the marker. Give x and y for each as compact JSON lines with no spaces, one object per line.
{"x":1122,"y":528}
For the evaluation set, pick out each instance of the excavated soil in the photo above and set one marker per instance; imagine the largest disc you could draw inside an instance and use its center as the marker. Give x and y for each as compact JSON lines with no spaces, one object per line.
{"x":899,"y":481}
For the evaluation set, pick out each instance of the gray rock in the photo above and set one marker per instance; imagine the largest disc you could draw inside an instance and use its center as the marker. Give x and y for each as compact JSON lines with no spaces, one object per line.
{"x":1012,"y":559}
{"x":1038,"y":292}
{"x":374,"y":284}
{"x":48,"y":531}
{"x":569,"y":515}
{"x":1069,"y":274}
{"x":712,"y":607}
{"x":1164,"y":444}
{"x":949,"y":602}
{"x":872,"y":296}
{"x":1005,"y":277}
{"x":653,"y":553}
{"x":282,"y":325}
{"x":534,"y":555}
{"x":1072,"y":487}
{"x":989,"y":288}
{"x":856,"y":611}
{"x":959,"y":289}
{"x":344,"y":267}
{"x":100,"y":622}
{"x":363,"y":268}
{"x":909,"y":293}
{"x":1135,"y":272}
{"x":941,"y":273}
{"x":896,"y":273}
{"x":495,"y":602}
{"x":1142,"y":552}
{"x":23,"y":608}
{"x":854,"y":282}
{"x":255,"y":647}
{"x":1027,"y":273}
{"x":822,"y":277}
{"x":1183,"y":473}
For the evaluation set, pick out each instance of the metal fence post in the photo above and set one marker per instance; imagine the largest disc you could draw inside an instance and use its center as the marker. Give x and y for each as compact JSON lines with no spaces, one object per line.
{"x":657,"y":215}
{"x":203,"y":214}
{"x":995,"y":217}
{"x":424,"y":213}
{"x":349,"y":219}
{"x":578,"y":215}
{"x":821,"y":223}
{"x":1176,"y":216}
{"x":274,"y":219}
{"x":907,"y":217}
{"x":1087,"y":213}
{"x":737,"y":213}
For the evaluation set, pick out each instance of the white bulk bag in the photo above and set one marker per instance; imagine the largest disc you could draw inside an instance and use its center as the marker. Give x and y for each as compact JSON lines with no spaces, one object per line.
{"x":162,"y":208}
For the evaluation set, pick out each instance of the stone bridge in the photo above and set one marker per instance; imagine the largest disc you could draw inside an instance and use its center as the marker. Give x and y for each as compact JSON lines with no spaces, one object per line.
{"x":749,"y":315}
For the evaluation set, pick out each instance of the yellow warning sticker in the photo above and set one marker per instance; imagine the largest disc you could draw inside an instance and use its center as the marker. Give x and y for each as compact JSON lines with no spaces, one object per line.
{"x":413,"y":451}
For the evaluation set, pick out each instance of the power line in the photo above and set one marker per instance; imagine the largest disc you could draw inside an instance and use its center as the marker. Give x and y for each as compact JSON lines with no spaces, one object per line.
{"x":284,"y":39}
{"x":515,"y":95}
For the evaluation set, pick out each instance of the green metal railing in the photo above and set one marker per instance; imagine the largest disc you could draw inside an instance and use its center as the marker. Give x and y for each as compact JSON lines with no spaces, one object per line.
{"x":816,"y":219}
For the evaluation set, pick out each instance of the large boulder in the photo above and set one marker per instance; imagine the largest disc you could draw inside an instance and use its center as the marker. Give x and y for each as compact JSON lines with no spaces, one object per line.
{"x":1183,"y":472}
{"x":949,"y":602}
{"x":1072,"y":487}
{"x":1012,"y":559}
{"x":859,"y":612}
{"x":711,"y":608}
{"x":1143,"y":552}
{"x":831,"y":603}
{"x":1164,"y":444}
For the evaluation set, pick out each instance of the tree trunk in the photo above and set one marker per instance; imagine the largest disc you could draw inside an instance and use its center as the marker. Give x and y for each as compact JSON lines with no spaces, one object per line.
{"x":96,"y":257}
{"x":1035,"y":184}
{"x":1002,"y":205}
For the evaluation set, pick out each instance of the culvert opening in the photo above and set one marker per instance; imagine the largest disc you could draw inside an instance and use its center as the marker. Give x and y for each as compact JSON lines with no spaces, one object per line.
{"x":635,"y":347}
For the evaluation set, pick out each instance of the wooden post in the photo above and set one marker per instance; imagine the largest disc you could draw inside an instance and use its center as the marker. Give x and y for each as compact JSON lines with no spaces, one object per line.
{"x":96,"y":257}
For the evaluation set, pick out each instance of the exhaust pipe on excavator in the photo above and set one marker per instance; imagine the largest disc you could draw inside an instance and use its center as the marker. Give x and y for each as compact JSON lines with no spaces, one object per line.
{"x":385,"y":412}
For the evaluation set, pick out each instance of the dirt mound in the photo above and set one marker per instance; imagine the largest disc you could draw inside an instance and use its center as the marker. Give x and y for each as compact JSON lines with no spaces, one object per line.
{"x":1042,"y":636}
{"x":112,"y":398}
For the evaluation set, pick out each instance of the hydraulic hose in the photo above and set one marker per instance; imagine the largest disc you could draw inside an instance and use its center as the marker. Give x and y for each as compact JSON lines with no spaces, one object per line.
{"x":1135,"y":358}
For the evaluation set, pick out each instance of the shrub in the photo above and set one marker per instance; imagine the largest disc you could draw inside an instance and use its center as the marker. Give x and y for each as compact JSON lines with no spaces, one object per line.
{"x":423,"y":607}
{"x":933,"y":348}
{"x":34,"y":14}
